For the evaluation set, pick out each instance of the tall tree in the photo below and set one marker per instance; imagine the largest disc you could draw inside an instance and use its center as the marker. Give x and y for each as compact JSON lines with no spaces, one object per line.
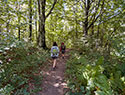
{"x":19,"y":20}
{"x":42,"y":18}
{"x":36,"y":18}
{"x":30,"y":19}
{"x":8,"y":20}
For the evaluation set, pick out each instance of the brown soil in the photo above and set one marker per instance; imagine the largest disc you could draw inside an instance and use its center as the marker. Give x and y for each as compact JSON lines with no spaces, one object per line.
{"x":54,"y":82}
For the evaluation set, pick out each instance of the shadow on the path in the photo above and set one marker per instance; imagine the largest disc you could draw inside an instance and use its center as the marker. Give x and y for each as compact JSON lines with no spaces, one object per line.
{"x":53,"y":80}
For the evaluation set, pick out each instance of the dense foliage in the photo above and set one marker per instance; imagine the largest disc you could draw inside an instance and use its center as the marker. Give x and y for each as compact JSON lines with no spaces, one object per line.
{"x":94,"y":28}
{"x":94,"y":74}
{"x":18,"y":64}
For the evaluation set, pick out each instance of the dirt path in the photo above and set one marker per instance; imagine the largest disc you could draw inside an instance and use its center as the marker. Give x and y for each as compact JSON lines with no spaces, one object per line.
{"x":54,"y":80}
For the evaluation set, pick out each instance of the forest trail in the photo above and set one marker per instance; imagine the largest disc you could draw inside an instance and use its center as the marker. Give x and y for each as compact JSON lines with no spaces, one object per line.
{"x":54,"y":80}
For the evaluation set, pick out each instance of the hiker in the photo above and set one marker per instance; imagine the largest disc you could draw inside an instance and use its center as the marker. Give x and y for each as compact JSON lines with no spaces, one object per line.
{"x":54,"y":53}
{"x":62,"y":49}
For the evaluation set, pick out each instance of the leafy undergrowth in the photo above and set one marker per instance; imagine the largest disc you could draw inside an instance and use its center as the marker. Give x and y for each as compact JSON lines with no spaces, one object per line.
{"x":93,"y":75}
{"x":18,"y":66}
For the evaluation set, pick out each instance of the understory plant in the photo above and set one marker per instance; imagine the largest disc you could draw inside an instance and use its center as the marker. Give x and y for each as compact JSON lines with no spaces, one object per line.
{"x":93,"y":75}
{"x":18,"y":63}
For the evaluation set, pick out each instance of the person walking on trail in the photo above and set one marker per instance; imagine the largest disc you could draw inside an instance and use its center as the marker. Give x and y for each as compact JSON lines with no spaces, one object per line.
{"x":62,"y":49}
{"x":54,"y":53}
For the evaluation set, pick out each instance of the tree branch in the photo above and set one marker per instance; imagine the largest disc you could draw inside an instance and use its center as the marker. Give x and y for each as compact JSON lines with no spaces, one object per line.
{"x":84,"y":3}
{"x":51,"y":8}
{"x":107,"y":19}
{"x":100,"y":13}
{"x":96,"y":9}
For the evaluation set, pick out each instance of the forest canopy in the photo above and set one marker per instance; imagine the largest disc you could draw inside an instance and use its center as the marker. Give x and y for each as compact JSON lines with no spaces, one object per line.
{"x":45,"y":21}
{"x":93,"y":29}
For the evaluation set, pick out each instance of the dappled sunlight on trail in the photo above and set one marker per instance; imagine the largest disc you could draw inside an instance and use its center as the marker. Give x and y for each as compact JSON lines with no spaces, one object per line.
{"x":54,"y":80}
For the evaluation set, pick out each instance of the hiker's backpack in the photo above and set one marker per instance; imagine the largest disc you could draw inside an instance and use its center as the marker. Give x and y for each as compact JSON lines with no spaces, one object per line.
{"x":63,"y":47}
{"x":54,"y":51}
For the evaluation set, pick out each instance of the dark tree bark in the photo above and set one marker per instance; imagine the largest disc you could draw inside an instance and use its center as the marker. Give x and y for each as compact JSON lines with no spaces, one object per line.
{"x":42,"y":18}
{"x":36,"y":17}
{"x":42,"y":32}
{"x":0,"y":28}
{"x":39,"y":13}
{"x":19,"y":27}
{"x":7,"y":23}
{"x":0,"y":32}
{"x":87,"y":7}
{"x":30,"y":19}
{"x":93,"y":29}
{"x":19,"y":21}
{"x":75,"y":11}
{"x":36,"y":29}
{"x":7,"y":26}
{"x":19,"y":33}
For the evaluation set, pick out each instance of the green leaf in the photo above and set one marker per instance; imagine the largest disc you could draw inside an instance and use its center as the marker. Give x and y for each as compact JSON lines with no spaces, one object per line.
{"x":100,"y":60}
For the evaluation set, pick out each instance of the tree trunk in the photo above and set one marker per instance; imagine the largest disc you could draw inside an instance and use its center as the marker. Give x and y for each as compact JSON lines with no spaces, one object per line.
{"x":36,"y":29}
{"x":43,"y":3}
{"x":41,"y":38}
{"x":30,"y":19}
{"x":93,"y":29}
{"x":19,"y":33}
{"x":18,"y":21}
{"x":0,"y":28}
{"x":19,"y":27}
{"x":7,"y":26}
{"x":39,"y":13}
{"x":36,"y":17}
{"x":7,"y":23}
{"x":42,"y":18}
{"x":87,"y":4}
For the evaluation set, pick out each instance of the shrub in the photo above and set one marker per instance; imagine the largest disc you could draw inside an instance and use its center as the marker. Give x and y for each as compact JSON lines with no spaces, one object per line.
{"x":17,"y":67}
{"x":94,"y":76}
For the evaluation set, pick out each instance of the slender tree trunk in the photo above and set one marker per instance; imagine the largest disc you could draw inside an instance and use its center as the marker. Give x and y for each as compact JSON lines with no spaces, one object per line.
{"x":18,"y":21}
{"x":7,"y":23}
{"x":19,"y":28}
{"x":75,"y":11}
{"x":86,"y":16}
{"x":7,"y":26}
{"x":93,"y":29}
{"x":0,"y":28}
{"x":39,"y":13}
{"x":0,"y":32}
{"x":36,"y":17}
{"x":36,"y":29}
{"x":19,"y":33}
{"x":30,"y":19}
